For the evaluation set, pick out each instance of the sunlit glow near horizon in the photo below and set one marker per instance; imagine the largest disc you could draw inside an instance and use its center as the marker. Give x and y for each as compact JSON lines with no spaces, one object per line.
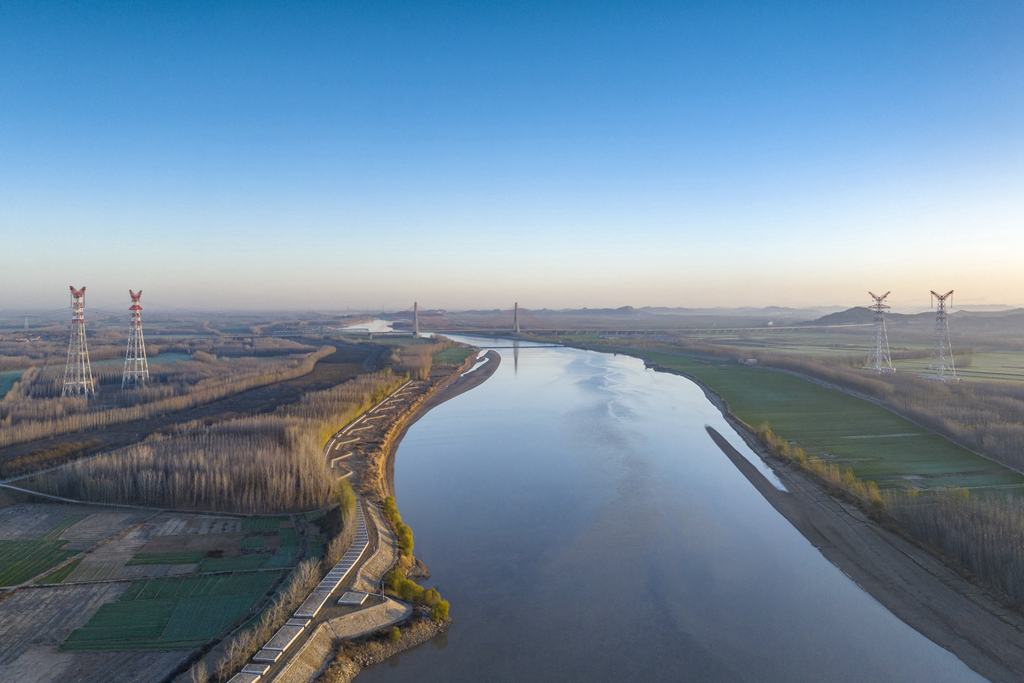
{"x":327,"y":156}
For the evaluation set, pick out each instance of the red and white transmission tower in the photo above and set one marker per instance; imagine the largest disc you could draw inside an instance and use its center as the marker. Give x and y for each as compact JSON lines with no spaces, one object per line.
{"x":879,"y":359}
{"x":941,"y":362}
{"x":136,"y":367}
{"x":78,"y":372}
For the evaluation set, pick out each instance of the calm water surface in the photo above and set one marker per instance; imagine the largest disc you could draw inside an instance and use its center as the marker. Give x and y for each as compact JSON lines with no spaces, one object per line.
{"x":585,"y":528}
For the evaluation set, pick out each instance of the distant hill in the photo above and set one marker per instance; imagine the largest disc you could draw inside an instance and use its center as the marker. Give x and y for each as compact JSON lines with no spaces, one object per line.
{"x":1007,"y":313}
{"x":1008,"y":322}
{"x":777,"y":312}
{"x":858,"y":315}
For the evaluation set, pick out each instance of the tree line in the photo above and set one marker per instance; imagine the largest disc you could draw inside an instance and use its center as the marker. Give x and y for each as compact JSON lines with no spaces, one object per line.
{"x":266,"y":463}
{"x":26,"y":418}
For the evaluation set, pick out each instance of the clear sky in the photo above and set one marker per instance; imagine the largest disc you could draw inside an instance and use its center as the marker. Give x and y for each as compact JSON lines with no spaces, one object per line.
{"x":325,"y":155}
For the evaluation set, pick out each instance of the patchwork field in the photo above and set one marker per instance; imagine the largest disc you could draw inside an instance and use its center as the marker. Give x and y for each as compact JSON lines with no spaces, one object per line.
{"x":33,"y":622}
{"x":22,"y":560}
{"x":993,"y":367}
{"x":37,"y":537}
{"x":135,"y":590}
{"x":877,"y":444}
{"x":171,"y":614}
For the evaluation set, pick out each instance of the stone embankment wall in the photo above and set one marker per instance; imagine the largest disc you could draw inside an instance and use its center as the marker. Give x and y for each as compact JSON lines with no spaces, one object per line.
{"x":343,"y":670}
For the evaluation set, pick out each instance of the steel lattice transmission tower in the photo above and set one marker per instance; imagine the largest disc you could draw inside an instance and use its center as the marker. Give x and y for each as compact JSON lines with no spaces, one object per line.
{"x":515,"y":319}
{"x":136,"y":367}
{"x":78,"y":372}
{"x":415,"y":319}
{"x":941,"y":363}
{"x":879,"y":359}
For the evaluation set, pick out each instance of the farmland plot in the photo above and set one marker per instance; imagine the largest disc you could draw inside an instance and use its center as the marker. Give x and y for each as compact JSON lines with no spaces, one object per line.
{"x":29,"y":521}
{"x":876,"y":443}
{"x":34,"y":621}
{"x":21,"y":560}
{"x":106,"y":561}
{"x":171,"y":614}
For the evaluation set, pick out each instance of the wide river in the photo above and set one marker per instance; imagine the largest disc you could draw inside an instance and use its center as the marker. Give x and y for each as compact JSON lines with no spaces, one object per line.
{"x":585,"y":527}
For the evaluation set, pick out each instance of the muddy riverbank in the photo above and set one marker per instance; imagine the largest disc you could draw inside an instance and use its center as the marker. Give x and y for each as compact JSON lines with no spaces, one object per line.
{"x":911,"y":583}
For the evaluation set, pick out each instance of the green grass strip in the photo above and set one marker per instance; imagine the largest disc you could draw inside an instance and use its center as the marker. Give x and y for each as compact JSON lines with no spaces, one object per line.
{"x":165,"y":558}
{"x":62,"y":574}
{"x":453,"y":356}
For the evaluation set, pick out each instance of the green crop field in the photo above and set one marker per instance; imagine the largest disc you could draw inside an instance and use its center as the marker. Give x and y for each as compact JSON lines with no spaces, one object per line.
{"x":61,"y":574}
{"x":165,"y":558}
{"x":233,"y":564}
{"x":283,"y":559}
{"x":254,"y":542}
{"x":262,"y":523}
{"x":289,"y":538}
{"x":171,"y":614}
{"x":21,"y":560}
{"x":453,"y":356}
{"x":993,"y":367}
{"x":876,"y":443}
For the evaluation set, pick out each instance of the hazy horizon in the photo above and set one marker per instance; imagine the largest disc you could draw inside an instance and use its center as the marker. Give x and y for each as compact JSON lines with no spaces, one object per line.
{"x":257,"y":157}
{"x":106,"y":308}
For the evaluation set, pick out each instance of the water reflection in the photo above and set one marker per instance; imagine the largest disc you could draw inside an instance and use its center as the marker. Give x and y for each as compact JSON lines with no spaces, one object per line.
{"x":585,"y":528}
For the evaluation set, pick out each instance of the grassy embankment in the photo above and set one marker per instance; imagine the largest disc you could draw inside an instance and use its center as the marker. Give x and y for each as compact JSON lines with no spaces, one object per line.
{"x":876,"y":443}
{"x":396,"y":579}
{"x":846,"y":442}
{"x":456,"y":355}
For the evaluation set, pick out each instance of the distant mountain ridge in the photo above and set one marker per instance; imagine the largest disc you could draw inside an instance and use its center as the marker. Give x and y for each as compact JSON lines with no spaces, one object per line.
{"x":1007,"y":321}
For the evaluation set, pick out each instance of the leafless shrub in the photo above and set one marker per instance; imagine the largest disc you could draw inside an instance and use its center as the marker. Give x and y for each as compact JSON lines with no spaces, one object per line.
{"x":985,"y":536}
{"x":415,"y":359}
{"x":268,"y":463}
{"x":44,"y":414}
{"x":199,"y":673}
{"x":244,"y":644}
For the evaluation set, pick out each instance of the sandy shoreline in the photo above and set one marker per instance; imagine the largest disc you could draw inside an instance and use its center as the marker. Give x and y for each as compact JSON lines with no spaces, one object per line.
{"x":915,"y":586}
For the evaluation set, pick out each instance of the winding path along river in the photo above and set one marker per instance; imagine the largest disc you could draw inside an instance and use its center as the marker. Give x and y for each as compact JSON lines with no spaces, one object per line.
{"x":585,"y":527}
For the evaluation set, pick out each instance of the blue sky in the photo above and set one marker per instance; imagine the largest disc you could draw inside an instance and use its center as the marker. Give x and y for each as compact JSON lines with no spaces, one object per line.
{"x":326,"y":155}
